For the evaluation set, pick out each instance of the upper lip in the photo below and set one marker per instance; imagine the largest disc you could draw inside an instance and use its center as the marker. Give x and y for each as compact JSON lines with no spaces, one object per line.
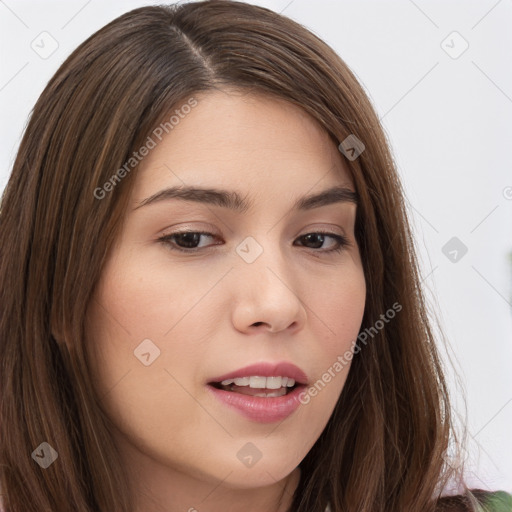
{"x":281,"y":369}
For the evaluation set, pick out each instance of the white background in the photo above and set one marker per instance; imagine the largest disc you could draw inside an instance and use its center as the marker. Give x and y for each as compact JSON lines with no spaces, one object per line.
{"x":449,"y":121}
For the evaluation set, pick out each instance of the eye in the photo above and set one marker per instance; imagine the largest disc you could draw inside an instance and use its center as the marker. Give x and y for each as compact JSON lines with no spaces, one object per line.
{"x":189,"y":241}
{"x":318,"y":237}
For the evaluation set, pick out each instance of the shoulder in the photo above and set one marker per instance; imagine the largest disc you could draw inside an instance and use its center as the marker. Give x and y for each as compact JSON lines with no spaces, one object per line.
{"x":498,"y":501}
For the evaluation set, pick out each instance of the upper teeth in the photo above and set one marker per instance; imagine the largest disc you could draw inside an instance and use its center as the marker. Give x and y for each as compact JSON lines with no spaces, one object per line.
{"x":261,"y":382}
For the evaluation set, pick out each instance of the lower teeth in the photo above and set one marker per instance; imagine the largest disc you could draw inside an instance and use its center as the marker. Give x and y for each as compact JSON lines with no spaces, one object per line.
{"x":277,"y":392}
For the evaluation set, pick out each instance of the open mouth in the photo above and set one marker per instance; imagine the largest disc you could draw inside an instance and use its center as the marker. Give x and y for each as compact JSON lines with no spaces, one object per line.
{"x":258,"y":398}
{"x":252,"y":390}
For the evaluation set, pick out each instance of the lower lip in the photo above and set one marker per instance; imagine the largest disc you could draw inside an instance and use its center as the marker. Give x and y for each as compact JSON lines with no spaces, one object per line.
{"x":260,"y":409}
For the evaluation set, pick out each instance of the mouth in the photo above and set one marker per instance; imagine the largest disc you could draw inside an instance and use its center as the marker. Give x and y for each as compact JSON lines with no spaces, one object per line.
{"x":265,"y":387}
{"x":264,"y":380}
{"x":258,"y":398}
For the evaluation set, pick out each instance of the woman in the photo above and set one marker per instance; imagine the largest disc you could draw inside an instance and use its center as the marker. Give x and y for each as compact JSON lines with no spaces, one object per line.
{"x":210,"y":294}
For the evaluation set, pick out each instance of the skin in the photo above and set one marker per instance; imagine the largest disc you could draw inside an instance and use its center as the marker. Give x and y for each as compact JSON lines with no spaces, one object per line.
{"x":211,"y":312}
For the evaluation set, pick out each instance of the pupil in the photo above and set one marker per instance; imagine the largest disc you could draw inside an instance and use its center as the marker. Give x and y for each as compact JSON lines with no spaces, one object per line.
{"x":311,"y":236}
{"x":193,"y":239}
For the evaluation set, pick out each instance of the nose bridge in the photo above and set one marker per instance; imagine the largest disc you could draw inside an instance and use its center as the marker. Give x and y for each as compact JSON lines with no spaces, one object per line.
{"x":266,"y":286}
{"x":262,"y":258}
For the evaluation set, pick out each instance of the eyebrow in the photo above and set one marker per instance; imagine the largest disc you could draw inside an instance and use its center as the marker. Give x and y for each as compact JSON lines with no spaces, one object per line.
{"x":234,"y":201}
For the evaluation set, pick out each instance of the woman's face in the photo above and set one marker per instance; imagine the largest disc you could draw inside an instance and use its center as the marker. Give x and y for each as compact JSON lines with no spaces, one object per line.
{"x":164,"y":324}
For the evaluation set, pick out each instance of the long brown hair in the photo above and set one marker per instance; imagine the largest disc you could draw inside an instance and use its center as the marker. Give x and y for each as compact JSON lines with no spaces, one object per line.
{"x":383,"y":447}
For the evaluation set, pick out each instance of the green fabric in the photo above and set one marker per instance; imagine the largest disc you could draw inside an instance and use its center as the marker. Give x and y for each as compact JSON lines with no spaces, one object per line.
{"x":499,"y":501}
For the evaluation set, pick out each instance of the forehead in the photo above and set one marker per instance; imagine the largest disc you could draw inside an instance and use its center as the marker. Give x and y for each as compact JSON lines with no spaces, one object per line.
{"x":249,"y":142}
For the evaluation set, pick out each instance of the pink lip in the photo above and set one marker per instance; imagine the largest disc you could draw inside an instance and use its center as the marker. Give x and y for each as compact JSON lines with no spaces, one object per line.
{"x":283,"y":369}
{"x":261,"y":409}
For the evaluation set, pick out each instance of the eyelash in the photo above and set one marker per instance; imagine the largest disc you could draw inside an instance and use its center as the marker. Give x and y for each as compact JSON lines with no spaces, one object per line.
{"x":166,"y":240}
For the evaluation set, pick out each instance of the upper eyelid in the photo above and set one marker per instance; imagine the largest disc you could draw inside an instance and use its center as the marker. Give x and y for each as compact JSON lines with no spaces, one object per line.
{"x":340,"y":237}
{"x":211,"y":229}
{"x":326,"y":231}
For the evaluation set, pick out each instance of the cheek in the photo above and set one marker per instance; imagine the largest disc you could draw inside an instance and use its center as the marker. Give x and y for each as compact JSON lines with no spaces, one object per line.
{"x":145,"y":325}
{"x":335,"y":312}
{"x":145,"y":299}
{"x":140,"y":324}
{"x":337,"y":307}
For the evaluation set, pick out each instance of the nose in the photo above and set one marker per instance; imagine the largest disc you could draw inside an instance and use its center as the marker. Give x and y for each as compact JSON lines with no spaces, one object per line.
{"x":266,"y":296}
